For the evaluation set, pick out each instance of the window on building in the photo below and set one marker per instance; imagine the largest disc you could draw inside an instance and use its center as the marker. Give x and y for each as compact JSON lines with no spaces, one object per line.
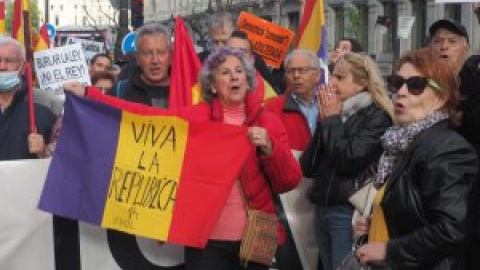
{"x":61,"y":7}
{"x":453,"y":12}
{"x":293,"y":21}
{"x":362,"y":35}
{"x":339,"y":23}
{"x":85,"y":20}
{"x":57,"y":20}
{"x":388,"y":34}
{"x":418,"y":34}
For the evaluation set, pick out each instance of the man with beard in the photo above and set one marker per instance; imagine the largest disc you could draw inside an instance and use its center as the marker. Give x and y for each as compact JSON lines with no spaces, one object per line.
{"x":450,"y":41}
{"x":150,"y":82}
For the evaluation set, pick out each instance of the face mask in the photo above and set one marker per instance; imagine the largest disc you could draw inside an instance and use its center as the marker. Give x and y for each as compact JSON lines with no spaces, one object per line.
{"x":8,"y":81}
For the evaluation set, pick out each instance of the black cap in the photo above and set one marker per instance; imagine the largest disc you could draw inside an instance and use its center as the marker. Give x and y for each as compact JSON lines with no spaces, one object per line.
{"x":452,"y":26}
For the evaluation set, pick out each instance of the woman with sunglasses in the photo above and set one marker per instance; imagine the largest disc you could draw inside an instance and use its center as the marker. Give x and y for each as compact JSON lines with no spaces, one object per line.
{"x":425,"y":173}
{"x":354,"y":113}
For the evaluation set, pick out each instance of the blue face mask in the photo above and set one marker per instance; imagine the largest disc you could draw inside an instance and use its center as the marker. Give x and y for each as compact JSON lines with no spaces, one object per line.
{"x":8,"y":81}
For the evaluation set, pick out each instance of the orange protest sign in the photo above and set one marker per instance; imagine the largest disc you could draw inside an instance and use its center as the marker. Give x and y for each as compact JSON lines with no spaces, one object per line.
{"x":269,"y":40}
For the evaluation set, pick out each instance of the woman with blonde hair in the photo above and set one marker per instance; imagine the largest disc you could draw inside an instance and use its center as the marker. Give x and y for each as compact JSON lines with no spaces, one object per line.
{"x":354,"y":112}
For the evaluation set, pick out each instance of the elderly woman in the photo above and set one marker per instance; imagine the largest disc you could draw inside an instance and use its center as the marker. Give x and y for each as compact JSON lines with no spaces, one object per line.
{"x":426,"y":173}
{"x":354,"y":112}
{"x":227,"y":80}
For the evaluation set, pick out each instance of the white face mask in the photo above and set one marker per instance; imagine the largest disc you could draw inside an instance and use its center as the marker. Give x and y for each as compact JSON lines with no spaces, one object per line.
{"x":8,"y":81}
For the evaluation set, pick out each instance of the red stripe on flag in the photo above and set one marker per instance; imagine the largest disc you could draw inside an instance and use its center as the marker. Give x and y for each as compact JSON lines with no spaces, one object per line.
{"x":200,"y":198}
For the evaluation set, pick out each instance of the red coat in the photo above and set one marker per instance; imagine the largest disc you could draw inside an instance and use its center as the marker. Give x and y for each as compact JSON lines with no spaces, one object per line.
{"x":284,"y":106}
{"x":280,"y":167}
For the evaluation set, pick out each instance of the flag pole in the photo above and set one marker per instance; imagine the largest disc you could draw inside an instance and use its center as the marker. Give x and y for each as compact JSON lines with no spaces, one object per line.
{"x":28,"y":63}
{"x":31,"y":108}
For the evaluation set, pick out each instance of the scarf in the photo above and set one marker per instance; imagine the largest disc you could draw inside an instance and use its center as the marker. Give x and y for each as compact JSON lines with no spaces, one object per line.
{"x":355,"y":104}
{"x":397,"y":139}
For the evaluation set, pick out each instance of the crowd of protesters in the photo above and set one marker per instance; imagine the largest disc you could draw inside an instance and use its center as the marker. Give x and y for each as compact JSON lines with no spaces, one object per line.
{"x":417,"y":134}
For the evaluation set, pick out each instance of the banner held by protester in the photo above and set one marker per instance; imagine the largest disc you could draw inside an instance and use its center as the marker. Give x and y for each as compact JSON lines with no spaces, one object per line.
{"x":143,"y":166}
{"x":269,"y":40}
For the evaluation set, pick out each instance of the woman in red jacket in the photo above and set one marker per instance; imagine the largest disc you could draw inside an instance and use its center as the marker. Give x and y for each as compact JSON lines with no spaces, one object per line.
{"x":227,"y":80}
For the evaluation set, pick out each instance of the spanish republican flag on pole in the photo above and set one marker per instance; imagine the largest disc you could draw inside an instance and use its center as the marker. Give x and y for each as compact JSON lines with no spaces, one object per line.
{"x":312,"y":34}
{"x":184,"y":88}
{"x":2,"y":17}
{"x":147,"y":174}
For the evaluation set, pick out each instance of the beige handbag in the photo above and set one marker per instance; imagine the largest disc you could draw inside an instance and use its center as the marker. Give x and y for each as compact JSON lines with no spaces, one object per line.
{"x":363,"y":198}
{"x":260,"y":236}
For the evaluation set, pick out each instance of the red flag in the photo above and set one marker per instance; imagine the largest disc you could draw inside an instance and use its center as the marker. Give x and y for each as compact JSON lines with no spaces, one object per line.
{"x":186,"y":65}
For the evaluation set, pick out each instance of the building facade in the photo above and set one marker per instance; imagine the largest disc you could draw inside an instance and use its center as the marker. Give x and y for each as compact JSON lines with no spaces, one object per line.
{"x":354,"y":18}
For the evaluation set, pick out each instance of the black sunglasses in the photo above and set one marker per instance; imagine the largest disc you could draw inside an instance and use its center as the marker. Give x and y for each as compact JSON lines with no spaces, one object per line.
{"x":415,"y":85}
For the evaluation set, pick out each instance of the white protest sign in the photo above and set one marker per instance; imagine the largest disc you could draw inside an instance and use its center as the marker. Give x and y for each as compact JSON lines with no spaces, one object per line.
{"x":90,"y":47}
{"x":405,"y":24}
{"x":56,"y":66}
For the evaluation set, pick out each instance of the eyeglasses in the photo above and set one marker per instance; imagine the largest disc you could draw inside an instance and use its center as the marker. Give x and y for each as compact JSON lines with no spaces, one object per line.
{"x":300,"y":70}
{"x":415,"y":85}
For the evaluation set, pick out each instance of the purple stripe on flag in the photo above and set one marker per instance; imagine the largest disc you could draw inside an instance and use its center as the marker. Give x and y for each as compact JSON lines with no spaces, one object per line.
{"x":322,"y":51}
{"x":79,"y":174}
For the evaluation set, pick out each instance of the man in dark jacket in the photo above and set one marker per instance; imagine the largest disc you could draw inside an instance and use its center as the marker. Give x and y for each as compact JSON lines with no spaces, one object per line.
{"x":150,"y":82}
{"x":16,"y":140}
{"x":450,"y":41}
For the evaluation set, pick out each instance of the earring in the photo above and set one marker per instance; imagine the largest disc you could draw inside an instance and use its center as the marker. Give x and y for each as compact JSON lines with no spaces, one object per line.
{"x":214,"y":91}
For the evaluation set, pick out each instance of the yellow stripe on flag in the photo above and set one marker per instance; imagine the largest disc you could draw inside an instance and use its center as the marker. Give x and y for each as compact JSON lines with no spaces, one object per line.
{"x":145,"y":178}
{"x":197,"y":93}
{"x":269,"y":91}
{"x":312,"y":37}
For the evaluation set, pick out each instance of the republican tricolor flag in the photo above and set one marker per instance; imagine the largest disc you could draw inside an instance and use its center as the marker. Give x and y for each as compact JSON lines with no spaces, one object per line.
{"x":151,"y":175}
{"x":312,"y":33}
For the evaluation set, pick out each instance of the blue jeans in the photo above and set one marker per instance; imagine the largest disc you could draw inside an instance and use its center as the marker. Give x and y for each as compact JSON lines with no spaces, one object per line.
{"x":217,"y":255}
{"x":334,"y":233}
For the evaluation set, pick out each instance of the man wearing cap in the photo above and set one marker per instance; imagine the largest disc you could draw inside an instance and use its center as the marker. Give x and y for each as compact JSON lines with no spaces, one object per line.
{"x":450,"y":41}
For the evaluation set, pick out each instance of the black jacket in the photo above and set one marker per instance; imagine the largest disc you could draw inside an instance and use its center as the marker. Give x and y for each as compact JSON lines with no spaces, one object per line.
{"x":470,"y":101}
{"x":340,"y":152}
{"x":425,"y":201}
{"x":136,"y":90}
{"x":14,"y":127}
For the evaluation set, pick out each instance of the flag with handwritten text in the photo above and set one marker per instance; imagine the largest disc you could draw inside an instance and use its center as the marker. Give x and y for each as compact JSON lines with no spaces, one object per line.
{"x":156,"y":176}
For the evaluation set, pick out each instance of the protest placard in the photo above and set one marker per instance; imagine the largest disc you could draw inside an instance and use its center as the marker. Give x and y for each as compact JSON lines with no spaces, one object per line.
{"x":269,"y":40}
{"x":90,"y":47}
{"x":56,"y":66}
